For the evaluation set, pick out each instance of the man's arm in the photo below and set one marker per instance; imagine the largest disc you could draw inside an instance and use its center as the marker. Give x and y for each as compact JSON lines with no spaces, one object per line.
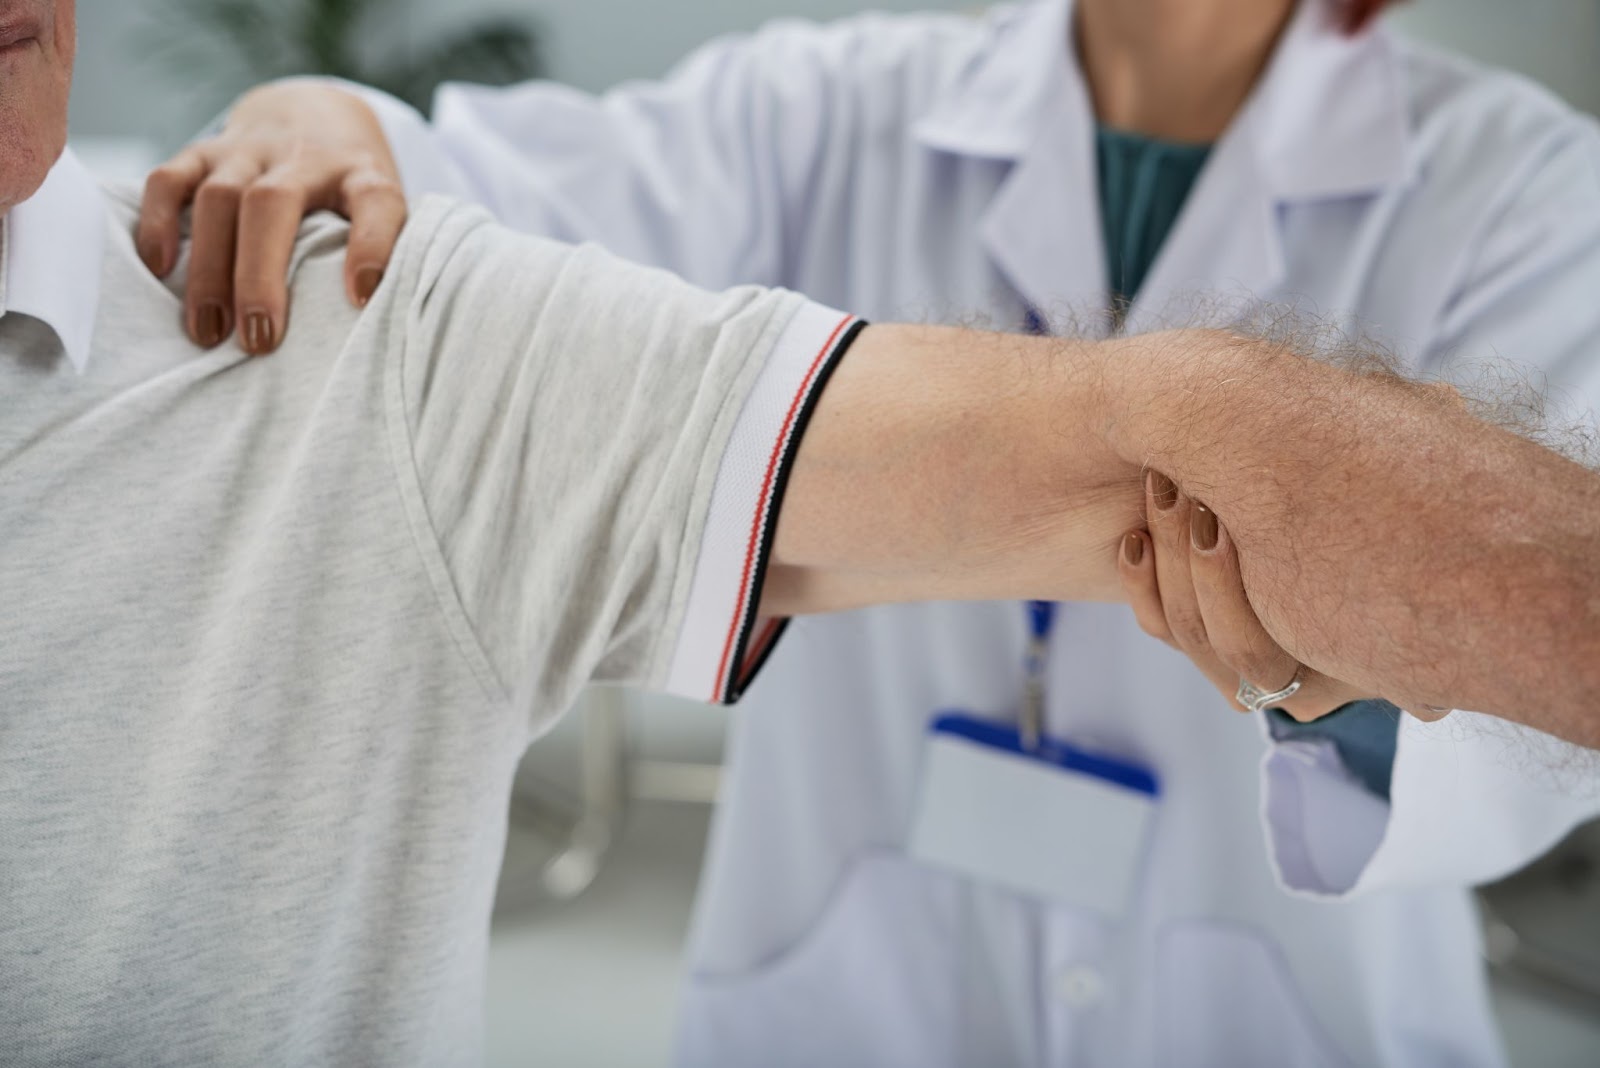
{"x":1387,"y":536}
{"x":618,"y":469}
{"x":946,"y":464}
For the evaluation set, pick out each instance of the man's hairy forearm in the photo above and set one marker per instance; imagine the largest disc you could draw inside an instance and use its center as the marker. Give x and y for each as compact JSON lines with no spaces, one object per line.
{"x":1386,"y":536}
{"x":946,"y":464}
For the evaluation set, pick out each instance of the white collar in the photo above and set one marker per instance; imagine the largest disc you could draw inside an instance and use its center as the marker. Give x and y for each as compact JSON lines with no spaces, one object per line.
{"x":50,"y":251}
{"x":1027,"y":73}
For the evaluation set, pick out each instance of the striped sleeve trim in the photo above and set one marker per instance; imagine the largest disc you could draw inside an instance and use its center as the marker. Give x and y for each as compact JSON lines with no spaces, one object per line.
{"x":718,"y":650}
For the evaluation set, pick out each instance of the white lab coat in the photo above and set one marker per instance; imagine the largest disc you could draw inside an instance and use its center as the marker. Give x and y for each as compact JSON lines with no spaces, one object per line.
{"x":942,"y":167}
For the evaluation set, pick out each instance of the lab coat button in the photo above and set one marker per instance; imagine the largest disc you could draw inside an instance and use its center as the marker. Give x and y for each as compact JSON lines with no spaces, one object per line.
{"x":1080,"y":987}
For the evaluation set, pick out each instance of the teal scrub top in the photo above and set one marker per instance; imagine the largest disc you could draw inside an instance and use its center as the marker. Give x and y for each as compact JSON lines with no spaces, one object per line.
{"x":1144,"y":183}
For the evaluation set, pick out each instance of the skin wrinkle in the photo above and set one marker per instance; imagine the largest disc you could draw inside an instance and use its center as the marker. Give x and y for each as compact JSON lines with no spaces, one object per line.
{"x":33,"y":105}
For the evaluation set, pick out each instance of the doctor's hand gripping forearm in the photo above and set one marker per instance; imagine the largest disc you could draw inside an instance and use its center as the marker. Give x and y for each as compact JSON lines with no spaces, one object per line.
{"x":1180,"y":574}
{"x":1181,"y":578}
{"x":945,"y":464}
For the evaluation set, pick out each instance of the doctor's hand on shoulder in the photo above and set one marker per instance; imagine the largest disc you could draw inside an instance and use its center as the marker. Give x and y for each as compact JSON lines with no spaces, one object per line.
{"x":1181,"y":577}
{"x":288,"y":149}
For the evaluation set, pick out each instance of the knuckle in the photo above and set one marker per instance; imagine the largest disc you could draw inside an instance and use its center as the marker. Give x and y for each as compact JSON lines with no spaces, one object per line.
{"x":270,"y":194}
{"x":1190,"y":632}
{"x":368,"y":184}
{"x":218,"y":193}
{"x":1157,"y":629}
{"x":1260,"y":669}
{"x":164,"y":181}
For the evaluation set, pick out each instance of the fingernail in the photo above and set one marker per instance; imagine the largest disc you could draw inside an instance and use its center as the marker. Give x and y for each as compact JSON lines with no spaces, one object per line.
{"x":367,"y":280}
{"x":210,"y":325}
{"x":1132,"y":548}
{"x":258,"y":333}
{"x":1203,"y":528}
{"x":1162,"y":490}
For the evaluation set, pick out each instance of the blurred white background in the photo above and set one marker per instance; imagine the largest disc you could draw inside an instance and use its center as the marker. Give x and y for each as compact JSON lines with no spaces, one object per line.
{"x":596,"y":43}
{"x":564,"y":974}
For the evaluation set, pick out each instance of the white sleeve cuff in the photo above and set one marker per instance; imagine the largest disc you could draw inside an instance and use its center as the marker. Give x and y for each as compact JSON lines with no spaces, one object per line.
{"x":1473,"y":798}
{"x":1323,"y":826}
{"x":718,"y":650}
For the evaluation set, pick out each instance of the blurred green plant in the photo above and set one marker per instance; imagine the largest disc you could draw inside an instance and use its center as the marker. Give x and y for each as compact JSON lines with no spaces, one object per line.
{"x":238,"y":43}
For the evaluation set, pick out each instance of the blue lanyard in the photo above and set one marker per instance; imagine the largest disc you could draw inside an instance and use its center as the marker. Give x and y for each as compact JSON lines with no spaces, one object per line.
{"x":1041,"y":621}
{"x":1030,"y":722}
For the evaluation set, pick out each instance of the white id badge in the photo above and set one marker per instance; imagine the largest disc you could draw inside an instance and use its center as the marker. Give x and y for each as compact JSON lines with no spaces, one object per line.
{"x":1055,"y":823}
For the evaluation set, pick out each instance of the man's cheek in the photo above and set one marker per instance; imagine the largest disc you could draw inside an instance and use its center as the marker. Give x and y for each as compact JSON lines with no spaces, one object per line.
{"x":66,"y":42}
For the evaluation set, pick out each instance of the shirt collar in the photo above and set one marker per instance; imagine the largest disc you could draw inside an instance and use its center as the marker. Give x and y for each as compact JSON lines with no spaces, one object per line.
{"x":1328,"y":117}
{"x":50,"y":251}
{"x":1331,"y":115}
{"x":996,"y":104}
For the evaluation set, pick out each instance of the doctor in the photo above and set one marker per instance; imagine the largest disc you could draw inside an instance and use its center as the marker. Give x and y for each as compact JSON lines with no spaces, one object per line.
{"x":1283,"y":898}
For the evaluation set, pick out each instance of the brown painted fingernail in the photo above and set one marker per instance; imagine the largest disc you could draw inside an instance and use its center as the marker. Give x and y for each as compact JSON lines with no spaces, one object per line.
{"x":1203,"y":528}
{"x":367,"y":280}
{"x":210,"y":325}
{"x":1162,"y":490}
{"x":258,"y":333}
{"x":1132,"y":548}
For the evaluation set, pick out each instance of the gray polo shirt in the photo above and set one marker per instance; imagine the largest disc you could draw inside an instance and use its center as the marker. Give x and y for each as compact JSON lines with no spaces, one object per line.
{"x":271,"y":630}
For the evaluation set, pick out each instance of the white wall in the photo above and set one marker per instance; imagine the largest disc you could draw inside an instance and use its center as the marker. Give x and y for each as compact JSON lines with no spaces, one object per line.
{"x":1554,"y":41}
{"x":589,"y":43}
{"x":596,"y":43}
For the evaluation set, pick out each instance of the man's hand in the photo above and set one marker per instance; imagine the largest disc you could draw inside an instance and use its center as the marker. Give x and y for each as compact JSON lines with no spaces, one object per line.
{"x":288,"y":150}
{"x":1386,"y":536}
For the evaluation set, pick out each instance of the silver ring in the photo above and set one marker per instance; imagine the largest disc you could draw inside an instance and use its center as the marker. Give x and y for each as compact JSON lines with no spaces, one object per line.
{"x":1254,"y":698}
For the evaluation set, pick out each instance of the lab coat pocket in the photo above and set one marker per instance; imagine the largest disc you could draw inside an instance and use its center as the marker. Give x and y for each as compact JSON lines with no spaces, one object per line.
{"x":874,"y":983}
{"x":1227,"y":998}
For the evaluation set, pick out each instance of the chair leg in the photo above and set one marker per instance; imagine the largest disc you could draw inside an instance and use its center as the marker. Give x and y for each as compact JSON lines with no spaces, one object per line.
{"x":603,"y":795}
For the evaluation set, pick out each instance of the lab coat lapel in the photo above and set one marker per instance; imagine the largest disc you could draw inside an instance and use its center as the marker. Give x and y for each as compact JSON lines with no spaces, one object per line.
{"x":1023,"y":102}
{"x":1043,"y":230}
{"x":1327,"y":120}
{"x":1224,"y":252}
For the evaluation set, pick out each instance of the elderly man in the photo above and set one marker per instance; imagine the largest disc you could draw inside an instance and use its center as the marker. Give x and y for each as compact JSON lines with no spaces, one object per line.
{"x":272,"y":629}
